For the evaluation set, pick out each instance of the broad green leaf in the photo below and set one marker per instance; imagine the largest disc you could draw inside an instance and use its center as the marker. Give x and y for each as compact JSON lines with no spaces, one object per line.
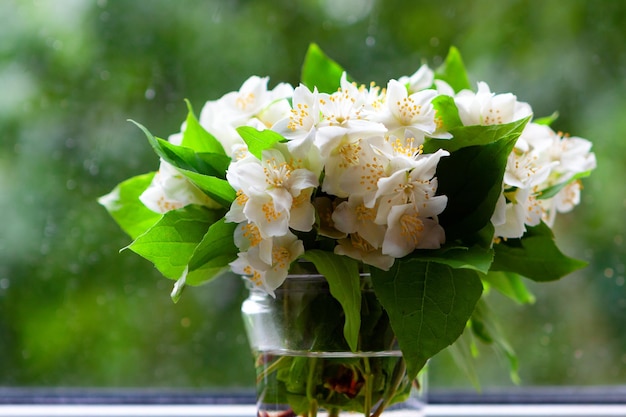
{"x":342,"y":274}
{"x":211,"y":164}
{"x":213,"y":254}
{"x":453,"y":71}
{"x":127,"y":210}
{"x":511,"y":285}
{"x":258,"y":140}
{"x":428,"y":304}
{"x":472,"y":178}
{"x":320,"y":71}
{"x":534,"y":256}
{"x":555,"y":189}
{"x":197,"y":138}
{"x":218,"y":189}
{"x":205,"y":163}
{"x":206,"y":170}
{"x":475,"y":257}
{"x":465,"y":136}
{"x":210,"y":258}
{"x":171,"y":242}
{"x":447,"y":112}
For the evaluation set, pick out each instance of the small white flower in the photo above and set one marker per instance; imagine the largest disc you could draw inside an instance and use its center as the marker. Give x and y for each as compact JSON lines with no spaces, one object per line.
{"x":343,"y":117}
{"x":407,"y":230}
{"x":299,"y":126}
{"x":563,"y":202}
{"x":486,"y":108}
{"x":415,"y":185}
{"x":269,"y":275}
{"x":403,"y":111}
{"x":358,"y":248}
{"x":523,"y":209}
{"x":272,"y":194}
{"x":171,"y":190}
{"x":353,"y":216}
{"x":526,"y":169}
{"x":421,"y":79}
{"x":541,"y":159}
{"x":237,"y":108}
{"x":359,"y":169}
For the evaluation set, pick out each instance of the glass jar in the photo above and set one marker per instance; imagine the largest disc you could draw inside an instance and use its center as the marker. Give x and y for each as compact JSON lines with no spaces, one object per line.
{"x":303,"y":363}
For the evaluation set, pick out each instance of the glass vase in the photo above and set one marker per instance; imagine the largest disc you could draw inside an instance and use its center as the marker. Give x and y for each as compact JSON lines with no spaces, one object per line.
{"x":304,"y":366}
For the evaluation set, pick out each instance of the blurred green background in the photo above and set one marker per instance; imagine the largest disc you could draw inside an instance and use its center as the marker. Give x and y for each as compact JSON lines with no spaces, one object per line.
{"x":75,"y":312}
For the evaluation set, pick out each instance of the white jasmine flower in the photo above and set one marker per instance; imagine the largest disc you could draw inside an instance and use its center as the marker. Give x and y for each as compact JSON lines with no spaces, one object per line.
{"x":573,"y":155}
{"x":171,"y":190}
{"x":402,"y":152}
{"x":415,"y":185}
{"x":563,"y":202}
{"x":253,"y":100}
{"x":299,"y":126}
{"x":272,"y":194}
{"x":523,"y":209}
{"x":361,"y":177}
{"x":269,"y":275}
{"x":403,"y":111}
{"x":526,"y":169}
{"x":487,"y":108}
{"x":353,"y":216}
{"x":407,"y":230}
{"x":421,"y":79}
{"x":343,"y":113}
{"x":360,"y":249}
{"x":443,"y":88}
{"x":541,"y":159}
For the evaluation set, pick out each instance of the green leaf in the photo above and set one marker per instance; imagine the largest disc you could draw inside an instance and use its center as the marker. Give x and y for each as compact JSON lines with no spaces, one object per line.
{"x":511,"y":285}
{"x":447,"y":112}
{"x":213,"y":254}
{"x":258,"y":140}
{"x":218,"y":189}
{"x":171,"y":242}
{"x":548,"y":120}
{"x":475,"y":257}
{"x":320,"y":71}
{"x":127,"y":210}
{"x":453,"y":71}
{"x":534,"y":256}
{"x":197,"y":138}
{"x":342,"y":274}
{"x":428,"y":304}
{"x":206,"y":170}
{"x":472,"y":178}
{"x":206,"y":163}
{"x":466,"y":136}
{"x":210,"y":258}
{"x":555,"y":189}
{"x":211,"y":164}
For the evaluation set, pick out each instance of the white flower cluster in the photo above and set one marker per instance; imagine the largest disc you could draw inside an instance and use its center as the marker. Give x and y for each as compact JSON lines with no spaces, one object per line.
{"x":353,"y":167}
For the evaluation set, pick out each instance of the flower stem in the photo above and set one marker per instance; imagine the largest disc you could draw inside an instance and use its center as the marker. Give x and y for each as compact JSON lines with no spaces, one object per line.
{"x":310,"y":388}
{"x":270,"y":369}
{"x":367,"y":377}
{"x":398,"y":374}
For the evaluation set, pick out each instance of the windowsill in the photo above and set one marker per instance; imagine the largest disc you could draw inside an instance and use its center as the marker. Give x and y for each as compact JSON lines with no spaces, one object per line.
{"x":523,"y":402}
{"x":436,"y":410}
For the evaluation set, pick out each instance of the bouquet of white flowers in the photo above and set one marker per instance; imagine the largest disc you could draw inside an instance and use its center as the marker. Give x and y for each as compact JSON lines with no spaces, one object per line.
{"x":435,"y":189}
